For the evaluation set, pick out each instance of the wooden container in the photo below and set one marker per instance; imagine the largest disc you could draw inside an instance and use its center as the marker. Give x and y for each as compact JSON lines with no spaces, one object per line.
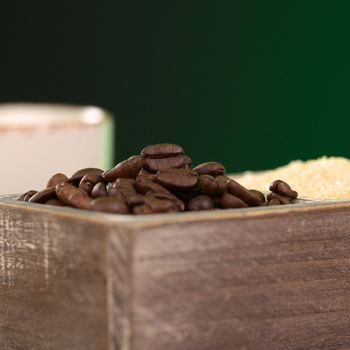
{"x":264,"y":278}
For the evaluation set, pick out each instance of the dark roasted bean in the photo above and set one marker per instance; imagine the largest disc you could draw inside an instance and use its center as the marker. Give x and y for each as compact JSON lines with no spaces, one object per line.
{"x":56,"y":179}
{"x":122,"y":188}
{"x":27,"y":195}
{"x":79,"y":201}
{"x":244,"y":194}
{"x":186,"y":196}
{"x":210,"y":168}
{"x":223,"y":178}
{"x":164,"y":156}
{"x":77,"y":176}
{"x":158,"y":202}
{"x":128,"y":168}
{"x":86,"y":186}
{"x":99,"y":190}
{"x":145,"y":185}
{"x":259,"y":195}
{"x":162,"y":150}
{"x":162,"y":205}
{"x":212,"y":186}
{"x":145,"y":177}
{"x":217,"y":201}
{"x":282,"y":188}
{"x":168,"y":196}
{"x":228,"y":200}
{"x":156,"y":164}
{"x":75,"y":197}
{"x":282,"y":199}
{"x":156,"y":206}
{"x":22,"y":196}
{"x":273,"y":201}
{"x":43,"y":196}
{"x":188,"y":164}
{"x":142,"y":210}
{"x":143,"y":172}
{"x":109,"y":205}
{"x":136,"y":200}
{"x":201,"y":202}
{"x":177,"y":179}
{"x":55,"y":202}
{"x":89,"y":181}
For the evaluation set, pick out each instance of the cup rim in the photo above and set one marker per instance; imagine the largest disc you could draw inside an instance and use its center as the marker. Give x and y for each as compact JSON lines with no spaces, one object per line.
{"x":25,"y":116}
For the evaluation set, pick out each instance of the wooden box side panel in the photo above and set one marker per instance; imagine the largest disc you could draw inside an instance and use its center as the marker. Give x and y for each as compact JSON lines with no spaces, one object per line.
{"x":274,"y":282}
{"x":52,"y":281}
{"x":120,"y":262}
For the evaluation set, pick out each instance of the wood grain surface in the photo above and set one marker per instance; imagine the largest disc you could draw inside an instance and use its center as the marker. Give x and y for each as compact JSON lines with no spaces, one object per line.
{"x":266,"y":278}
{"x":52,"y":282}
{"x":274,"y":282}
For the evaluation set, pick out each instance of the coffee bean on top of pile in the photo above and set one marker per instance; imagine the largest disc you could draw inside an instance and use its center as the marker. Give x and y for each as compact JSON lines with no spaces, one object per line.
{"x":158,"y":180}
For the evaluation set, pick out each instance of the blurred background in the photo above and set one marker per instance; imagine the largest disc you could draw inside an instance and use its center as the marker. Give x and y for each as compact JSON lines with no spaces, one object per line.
{"x":252,"y":83}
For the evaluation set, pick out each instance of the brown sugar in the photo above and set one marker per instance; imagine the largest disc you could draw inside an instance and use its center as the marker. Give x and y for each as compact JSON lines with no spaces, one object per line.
{"x":322,"y":178}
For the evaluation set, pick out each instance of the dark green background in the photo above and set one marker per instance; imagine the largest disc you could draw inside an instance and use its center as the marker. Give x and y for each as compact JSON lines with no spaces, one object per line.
{"x":250,"y":83}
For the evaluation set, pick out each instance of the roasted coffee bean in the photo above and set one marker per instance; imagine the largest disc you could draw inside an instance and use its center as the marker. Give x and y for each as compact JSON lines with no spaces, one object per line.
{"x":212,"y":186}
{"x":43,"y":196}
{"x":55,"y":202}
{"x":259,"y":195}
{"x":154,"y":205}
{"x":162,"y":150}
{"x":157,"y":202}
{"x":136,"y":200}
{"x":244,"y":194}
{"x":186,"y":196}
{"x":210,"y":168}
{"x":73,"y":196}
{"x":143,"y":172}
{"x":223,"y":178}
{"x":217,"y":201}
{"x":144,"y":185}
{"x":145,"y":177}
{"x":164,"y":156}
{"x":201,"y":202}
{"x":77,"y":176}
{"x":128,"y":168}
{"x":156,"y":164}
{"x":109,"y":205}
{"x":167,"y":196}
{"x":177,"y":179}
{"x":228,"y":200}
{"x":22,"y":196}
{"x":142,"y":210}
{"x":273,"y":201}
{"x":281,"y":199}
{"x":188,"y":164}
{"x":27,"y":195}
{"x":86,"y":186}
{"x":122,"y":188}
{"x":99,"y":190}
{"x":56,"y":179}
{"x":79,"y":201}
{"x":282,"y":188}
{"x":89,"y":181}
{"x":162,"y":205}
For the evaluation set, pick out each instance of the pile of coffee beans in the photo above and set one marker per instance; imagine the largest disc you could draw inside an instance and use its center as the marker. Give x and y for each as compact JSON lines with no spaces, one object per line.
{"x":159,"y":180}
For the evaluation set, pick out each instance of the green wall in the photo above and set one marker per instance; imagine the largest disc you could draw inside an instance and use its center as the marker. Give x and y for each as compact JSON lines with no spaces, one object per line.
{"x":250,"y":83}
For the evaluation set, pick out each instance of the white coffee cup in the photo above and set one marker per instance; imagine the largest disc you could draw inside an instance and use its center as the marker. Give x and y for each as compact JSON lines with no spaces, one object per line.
{"x":39,"y":140}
